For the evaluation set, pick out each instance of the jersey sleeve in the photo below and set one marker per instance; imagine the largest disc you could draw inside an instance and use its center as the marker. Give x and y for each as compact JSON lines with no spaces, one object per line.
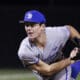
{"x":64,"y":34}
{"x":27,"y":55}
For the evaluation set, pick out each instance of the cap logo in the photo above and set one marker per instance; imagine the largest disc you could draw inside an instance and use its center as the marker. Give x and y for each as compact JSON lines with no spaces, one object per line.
{"x":29,"y":16}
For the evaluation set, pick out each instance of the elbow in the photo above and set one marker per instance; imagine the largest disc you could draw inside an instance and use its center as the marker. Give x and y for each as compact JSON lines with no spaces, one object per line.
{"x":52,"y":70}
{"x":45,"y":71}
{"x":49,"y":71}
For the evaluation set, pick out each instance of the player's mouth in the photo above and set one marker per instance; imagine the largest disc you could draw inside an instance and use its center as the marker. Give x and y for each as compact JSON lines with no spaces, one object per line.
{"x":30,"y":33}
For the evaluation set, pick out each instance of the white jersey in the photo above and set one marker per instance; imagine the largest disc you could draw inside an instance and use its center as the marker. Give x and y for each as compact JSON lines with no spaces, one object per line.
{"x":56,"y":39}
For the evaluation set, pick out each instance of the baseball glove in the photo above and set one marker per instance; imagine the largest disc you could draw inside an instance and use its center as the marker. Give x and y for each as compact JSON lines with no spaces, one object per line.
{"x":76,"y":41}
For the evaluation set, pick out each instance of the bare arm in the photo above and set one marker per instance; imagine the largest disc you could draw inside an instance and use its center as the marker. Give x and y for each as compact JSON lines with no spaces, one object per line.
{"x":73,"y":32}
{"x":48,"y":70}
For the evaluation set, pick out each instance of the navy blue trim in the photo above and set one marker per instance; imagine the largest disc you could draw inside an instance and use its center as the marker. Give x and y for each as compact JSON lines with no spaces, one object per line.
{"x":37,"y":61}
{"x":27,"y":65}
{"x":66,"y":73}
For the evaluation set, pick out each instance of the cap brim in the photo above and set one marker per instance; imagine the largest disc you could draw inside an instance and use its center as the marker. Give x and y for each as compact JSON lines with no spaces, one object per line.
{"x":21,"y":21}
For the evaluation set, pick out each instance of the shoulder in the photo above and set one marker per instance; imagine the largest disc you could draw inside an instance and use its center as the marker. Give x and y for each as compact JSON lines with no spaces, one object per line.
{"x":58,"y":31}
{"x":25,"y":41}
{"x":51,"y":29}
{"x":58,"y":28}
{"x":23,"y":45}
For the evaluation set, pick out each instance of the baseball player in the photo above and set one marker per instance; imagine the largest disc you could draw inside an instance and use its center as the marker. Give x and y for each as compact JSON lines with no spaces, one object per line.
{"x":41,"y":50}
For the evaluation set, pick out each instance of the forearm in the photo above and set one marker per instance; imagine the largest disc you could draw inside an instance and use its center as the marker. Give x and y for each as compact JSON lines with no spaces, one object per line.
{"x":56,"y":67}
{"x":49,"y":70}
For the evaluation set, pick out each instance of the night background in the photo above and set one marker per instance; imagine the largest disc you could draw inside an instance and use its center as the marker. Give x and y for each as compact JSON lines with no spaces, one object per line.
{"x":57,"y":12}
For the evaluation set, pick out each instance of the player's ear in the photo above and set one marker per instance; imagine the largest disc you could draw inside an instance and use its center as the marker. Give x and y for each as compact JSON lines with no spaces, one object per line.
{"x":43,"y":26}
{"x":25,"y":28}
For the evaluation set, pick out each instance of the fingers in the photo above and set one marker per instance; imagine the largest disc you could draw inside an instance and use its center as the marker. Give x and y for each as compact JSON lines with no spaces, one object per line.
{"x":73,"y":56}
{"x":76,"y":49}
{"x":74,"y":52}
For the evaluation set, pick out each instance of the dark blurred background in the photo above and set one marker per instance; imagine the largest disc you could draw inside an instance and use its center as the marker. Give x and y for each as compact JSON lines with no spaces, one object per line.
{"x":57,"y":12}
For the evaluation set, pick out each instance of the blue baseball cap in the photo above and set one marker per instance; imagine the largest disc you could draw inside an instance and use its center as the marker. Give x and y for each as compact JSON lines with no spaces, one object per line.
{"x":34,"y":16}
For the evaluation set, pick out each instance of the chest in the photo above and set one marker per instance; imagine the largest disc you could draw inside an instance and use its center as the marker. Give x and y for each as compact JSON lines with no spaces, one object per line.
{"x":48,"y":54}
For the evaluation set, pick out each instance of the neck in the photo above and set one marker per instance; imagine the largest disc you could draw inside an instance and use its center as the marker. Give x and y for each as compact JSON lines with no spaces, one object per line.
{"x":41,"y":40}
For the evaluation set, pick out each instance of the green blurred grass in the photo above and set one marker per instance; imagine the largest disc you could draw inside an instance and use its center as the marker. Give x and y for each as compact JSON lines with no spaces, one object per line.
{"x":18,"y":74}
{"x":78,"y":78}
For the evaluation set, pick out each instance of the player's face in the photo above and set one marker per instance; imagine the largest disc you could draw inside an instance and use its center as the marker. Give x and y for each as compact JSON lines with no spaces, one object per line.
{"x":34,"y":30}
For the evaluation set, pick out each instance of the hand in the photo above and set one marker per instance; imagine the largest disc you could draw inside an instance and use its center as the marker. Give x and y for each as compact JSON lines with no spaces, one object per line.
{"x":74,"y":55}
{"x":74,"y":52}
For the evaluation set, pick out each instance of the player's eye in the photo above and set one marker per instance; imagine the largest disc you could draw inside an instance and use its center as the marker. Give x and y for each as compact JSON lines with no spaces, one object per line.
{"x":30,"y":24}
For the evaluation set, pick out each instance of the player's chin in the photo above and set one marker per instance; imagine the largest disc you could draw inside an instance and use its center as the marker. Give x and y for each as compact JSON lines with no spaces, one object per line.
{"x":31,"y":38}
